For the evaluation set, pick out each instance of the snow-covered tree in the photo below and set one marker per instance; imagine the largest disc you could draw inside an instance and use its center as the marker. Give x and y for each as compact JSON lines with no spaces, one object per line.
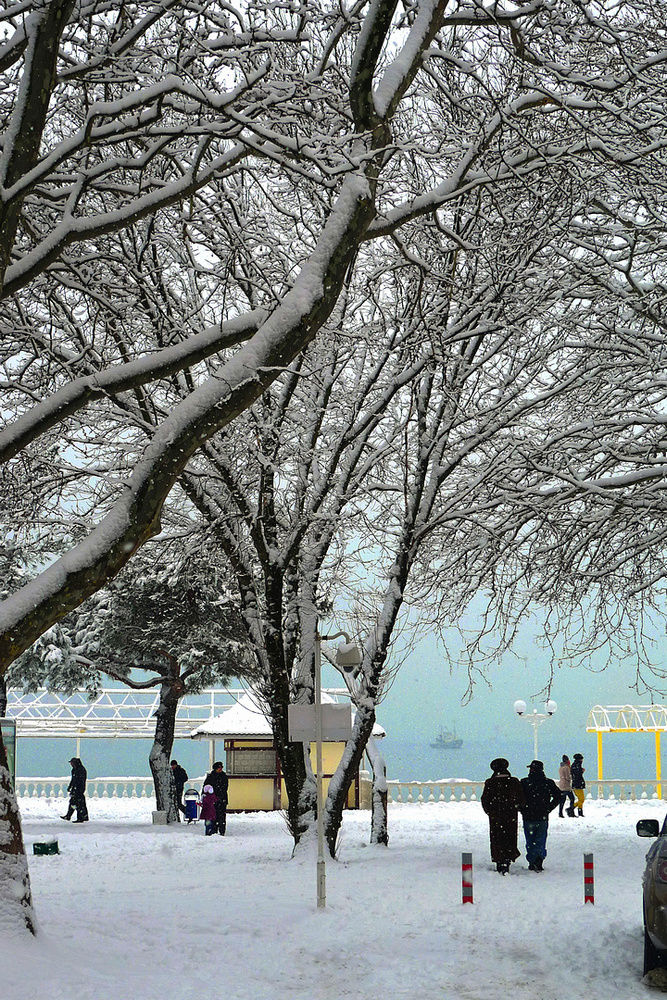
{"x":350,"y":125}
{"x":169,"y":621}
{"x":412,"y":454}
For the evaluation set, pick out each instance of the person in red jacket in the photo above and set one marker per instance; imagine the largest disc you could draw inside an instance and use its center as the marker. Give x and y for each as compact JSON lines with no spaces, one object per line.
{"x":207,"y":812}
{"x":502,"y":798}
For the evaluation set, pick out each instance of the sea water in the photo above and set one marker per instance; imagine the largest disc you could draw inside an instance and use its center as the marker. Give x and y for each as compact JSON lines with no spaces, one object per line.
{"x":625,"y":755}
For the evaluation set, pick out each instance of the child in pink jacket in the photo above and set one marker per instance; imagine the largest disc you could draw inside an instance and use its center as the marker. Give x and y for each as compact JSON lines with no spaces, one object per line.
{"x":207,"y":812}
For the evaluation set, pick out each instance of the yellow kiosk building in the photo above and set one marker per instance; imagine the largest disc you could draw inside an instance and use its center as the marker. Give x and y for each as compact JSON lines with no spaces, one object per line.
{"x":251,"y":761}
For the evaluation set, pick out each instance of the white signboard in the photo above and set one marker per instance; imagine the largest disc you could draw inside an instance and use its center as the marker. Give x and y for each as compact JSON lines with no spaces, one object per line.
{"x":336,"y":723}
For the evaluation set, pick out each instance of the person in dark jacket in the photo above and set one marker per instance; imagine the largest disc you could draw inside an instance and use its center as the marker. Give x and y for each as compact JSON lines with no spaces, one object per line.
{"x":541,"y":795}
{"x":77,"y":792}
{"x":502,"y":798}
{"x":219,"y":782}
{"x":578,"y":784}
{"x":180,"y":777}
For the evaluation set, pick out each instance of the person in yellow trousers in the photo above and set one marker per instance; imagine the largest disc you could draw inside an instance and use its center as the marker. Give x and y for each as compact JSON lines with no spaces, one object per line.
{"x":578,"y":784}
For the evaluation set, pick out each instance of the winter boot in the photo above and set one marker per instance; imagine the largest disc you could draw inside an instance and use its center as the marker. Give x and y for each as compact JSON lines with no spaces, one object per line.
{"x":581,"y":812}
{"x":570,"y":811}
{"x":539,"y":864}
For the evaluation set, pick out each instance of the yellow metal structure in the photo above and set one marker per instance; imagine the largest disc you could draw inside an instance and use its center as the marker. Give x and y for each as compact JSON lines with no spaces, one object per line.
{"x":629,"y":719}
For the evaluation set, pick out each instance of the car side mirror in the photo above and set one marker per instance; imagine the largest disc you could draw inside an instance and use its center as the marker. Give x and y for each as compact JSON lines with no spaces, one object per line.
{"x":648,"y":828}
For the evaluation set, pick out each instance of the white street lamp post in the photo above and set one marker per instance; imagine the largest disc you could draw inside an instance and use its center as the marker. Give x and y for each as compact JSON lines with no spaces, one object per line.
{"x":321,"y":868}
{"x":535,"y":718}
{"x":351,"y":657}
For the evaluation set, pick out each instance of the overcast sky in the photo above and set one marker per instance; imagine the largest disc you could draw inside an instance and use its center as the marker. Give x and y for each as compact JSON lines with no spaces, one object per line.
{"x":425,"y":695}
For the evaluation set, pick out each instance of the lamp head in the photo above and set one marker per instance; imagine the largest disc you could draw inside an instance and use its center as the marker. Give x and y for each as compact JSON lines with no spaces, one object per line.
{"x":519,"y":707}
{"x":551,"y":707}
{"x":349,"y":658}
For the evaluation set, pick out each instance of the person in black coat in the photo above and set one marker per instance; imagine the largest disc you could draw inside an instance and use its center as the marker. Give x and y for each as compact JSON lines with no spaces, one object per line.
{"x":180,"y":777}
{"x":541,"y":795}
{"x":578,"y":784}
{"x":502,"y":798}
{"x":220,"y":782}
{"x":77,"y":792}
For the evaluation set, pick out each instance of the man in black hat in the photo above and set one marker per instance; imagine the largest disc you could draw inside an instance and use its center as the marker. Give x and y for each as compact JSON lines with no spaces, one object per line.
{"x":77,"y":792}
{"x":220,"y":782}
{"x":502,"y":798}
{"x":541,"y":795}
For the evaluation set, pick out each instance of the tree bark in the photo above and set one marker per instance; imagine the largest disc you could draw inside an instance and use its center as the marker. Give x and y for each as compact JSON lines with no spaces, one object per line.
{"x":345,"y":774}
{"x":171,"y":691}
{"x":379,"y":815}
{"x":30,"y":113}
{"x":16,"y":910}
{"x":299,"y":802}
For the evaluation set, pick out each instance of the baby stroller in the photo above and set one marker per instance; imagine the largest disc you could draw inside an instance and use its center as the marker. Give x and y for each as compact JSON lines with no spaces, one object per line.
{"x":192,"y":804}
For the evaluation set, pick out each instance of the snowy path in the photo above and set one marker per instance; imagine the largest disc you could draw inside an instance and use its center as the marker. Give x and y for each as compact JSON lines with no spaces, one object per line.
{"x":128,"y":910}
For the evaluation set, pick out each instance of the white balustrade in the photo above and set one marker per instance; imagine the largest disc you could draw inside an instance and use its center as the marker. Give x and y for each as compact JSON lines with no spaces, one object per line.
{"x":471,"y":791}
{"x":96,"y":788}
{"x":434,"y":791}
{"x":412,"y":792}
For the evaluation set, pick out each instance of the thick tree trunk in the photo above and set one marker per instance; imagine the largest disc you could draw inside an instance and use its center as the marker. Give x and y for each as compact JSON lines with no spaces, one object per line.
{"x":159,"y":758}
{"x":379,"y":816}
{"x":300,"y":811}
{"x":345,"y":774}
{"x":3,"y":697}
{"x":16,"y":912}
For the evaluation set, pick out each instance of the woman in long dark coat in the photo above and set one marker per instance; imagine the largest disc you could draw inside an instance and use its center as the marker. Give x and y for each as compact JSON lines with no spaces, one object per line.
{"x":77,"y":792}
{"x":502,"y":799}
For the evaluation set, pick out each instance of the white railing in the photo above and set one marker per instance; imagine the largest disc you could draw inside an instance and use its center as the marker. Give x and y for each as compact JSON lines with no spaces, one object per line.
{"x":434,"y":791}
{"x":471,"y":791}
{"x":96,"y":788}
{"x":398,"y":791}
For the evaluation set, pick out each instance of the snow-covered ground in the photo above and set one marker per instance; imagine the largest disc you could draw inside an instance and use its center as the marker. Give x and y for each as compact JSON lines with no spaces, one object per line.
{"x":131,"y":911}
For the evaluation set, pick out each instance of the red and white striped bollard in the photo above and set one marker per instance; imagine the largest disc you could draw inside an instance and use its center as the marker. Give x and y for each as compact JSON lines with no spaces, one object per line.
{"x":466,"y":877}
{"x":589,"y":879}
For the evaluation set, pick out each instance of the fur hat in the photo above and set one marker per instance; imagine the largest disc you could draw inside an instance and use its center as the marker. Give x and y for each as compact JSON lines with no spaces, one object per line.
{"x":535,"y":765}
{"x":499,"y":764}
